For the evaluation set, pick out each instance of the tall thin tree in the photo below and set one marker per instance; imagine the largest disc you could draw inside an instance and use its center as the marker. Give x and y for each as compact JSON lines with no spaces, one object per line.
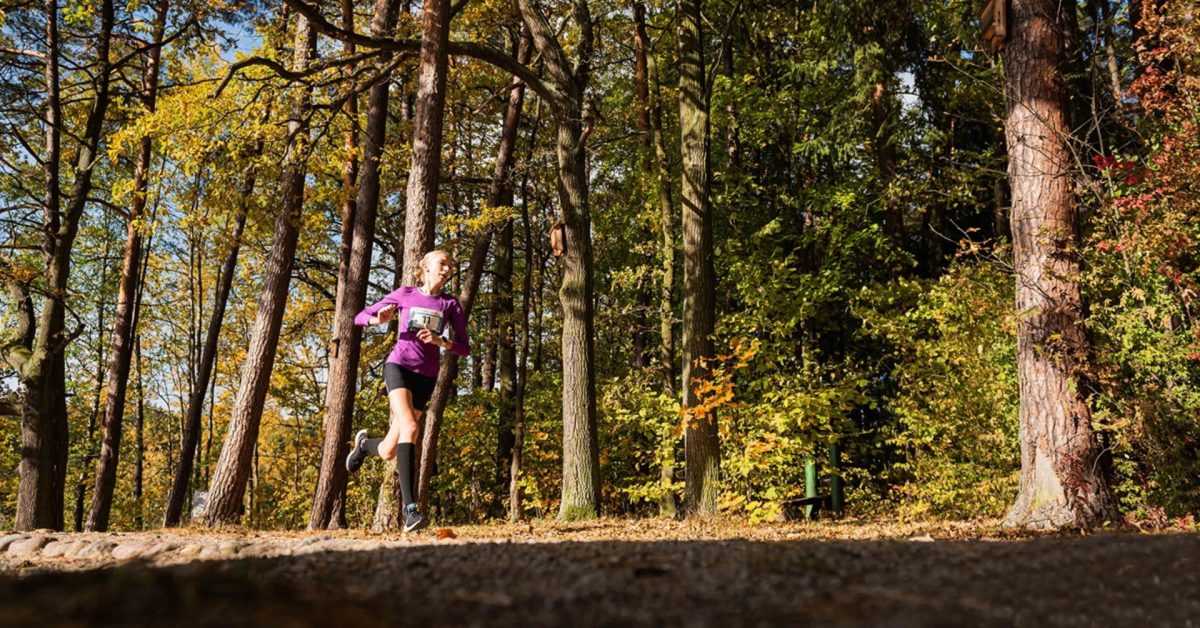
{"x":666,"y":217}
{"x":329,"y":502}
{"x":701,"y":447}
{"x":121,"y":345}
{"x":228,"y":484}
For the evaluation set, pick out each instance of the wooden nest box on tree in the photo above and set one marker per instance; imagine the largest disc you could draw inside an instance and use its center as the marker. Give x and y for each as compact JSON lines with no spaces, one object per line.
{"x":558,"y":239}
{"x":993,"y":21}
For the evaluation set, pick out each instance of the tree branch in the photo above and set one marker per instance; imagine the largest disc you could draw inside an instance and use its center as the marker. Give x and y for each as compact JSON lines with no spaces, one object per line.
{"x":484,"y":53}
{"x":284,"y":72}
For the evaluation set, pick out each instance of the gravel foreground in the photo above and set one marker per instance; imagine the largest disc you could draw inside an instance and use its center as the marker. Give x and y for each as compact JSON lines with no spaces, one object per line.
{"x":605,"y":573}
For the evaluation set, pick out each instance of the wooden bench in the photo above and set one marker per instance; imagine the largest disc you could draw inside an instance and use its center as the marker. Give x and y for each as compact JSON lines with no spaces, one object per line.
{"x":796,"y":508}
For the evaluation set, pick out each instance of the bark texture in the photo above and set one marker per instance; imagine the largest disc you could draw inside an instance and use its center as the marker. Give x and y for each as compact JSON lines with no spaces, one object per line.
{"x":581,"y":458}
{"x":40,"y":363}
{"x":228,"y":484}
{"x":421,"y":197}
{"x":701,"y":447}
{"x":1061,"y":482}
{"x":329,"y":502}
{"x":121,"y":345}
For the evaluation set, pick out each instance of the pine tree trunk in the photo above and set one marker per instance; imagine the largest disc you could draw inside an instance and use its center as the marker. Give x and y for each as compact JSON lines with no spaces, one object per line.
{"x":701,"y":447}
{"x":121,"y":347}
{"x":189,"y":449}
{"x":329,"y":502}
{"x":420,"y":213}
{"x":233,"y":466}
{"x":421,"y":209}
{"x":499,"y":193}
{"x":1061,"y":482}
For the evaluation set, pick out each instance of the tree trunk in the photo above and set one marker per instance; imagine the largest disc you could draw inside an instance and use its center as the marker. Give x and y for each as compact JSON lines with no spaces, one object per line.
{"x":1061,"y":483}
{"x":233,"y":466}
{"x":42,"y":371}
{"x":514,"y":473}
{"x":329,"y":502}
{"x":701,"y":447}
{"x":121,"y":347}
{"x":499,"y":193}
{"x":189,"y":448}
{"x":667,"y":504}
{"x":505,"y":342}
{"x":641,"y":88}
{"x":94,"y":415}
{"x":885,"y":160}
{"x":139,"y":442}
{"x":420,"y":212}
{"x":581,"y":459}
{"x":1110,"y":54}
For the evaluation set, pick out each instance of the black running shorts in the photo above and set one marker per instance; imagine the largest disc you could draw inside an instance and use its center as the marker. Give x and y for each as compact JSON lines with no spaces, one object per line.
{"x":420,"y":386}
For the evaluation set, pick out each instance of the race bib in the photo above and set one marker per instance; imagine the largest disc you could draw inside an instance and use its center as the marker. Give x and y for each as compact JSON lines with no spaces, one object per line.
{"x":423,"y":318}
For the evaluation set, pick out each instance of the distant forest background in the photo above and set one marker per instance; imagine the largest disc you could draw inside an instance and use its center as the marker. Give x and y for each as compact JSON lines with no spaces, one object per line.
{"x":802,"y":209}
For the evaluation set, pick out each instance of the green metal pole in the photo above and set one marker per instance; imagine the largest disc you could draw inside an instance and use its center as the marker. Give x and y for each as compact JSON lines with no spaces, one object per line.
{"x":836,"y":493}
{"x":810,"y":485}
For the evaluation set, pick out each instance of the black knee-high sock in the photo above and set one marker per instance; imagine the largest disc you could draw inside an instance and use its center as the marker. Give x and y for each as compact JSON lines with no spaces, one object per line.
{"x":372,"y":445}
{"x":404,"y":468}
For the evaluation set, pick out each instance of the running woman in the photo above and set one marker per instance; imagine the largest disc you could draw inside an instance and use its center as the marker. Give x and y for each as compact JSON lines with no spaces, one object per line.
{"x":411,"y":369}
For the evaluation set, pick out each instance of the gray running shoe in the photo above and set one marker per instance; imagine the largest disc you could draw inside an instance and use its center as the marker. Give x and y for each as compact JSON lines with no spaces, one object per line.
{"x":414,"y":520}
{"x":359,"y":453}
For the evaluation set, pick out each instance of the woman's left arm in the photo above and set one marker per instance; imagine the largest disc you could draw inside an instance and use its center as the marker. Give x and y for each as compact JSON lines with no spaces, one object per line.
{"x":460,"y":344}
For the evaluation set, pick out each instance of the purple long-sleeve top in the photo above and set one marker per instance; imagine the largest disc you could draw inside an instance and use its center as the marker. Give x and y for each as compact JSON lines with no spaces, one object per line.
{"x":417,"y":311}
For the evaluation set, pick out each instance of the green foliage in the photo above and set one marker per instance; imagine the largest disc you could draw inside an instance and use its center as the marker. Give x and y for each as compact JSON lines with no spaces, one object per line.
{"x":639,"y":436}
{"x":951,"y":370}
{"x":10,"y":459}
{"x":1143,"y":275}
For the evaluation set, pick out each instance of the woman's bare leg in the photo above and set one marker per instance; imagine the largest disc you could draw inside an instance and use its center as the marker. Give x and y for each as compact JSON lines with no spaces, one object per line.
{"x":404,"y":424}
{"x":400,"y":442}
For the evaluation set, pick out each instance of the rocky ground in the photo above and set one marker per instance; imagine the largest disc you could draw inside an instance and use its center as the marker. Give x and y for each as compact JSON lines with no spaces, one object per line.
{"x":609,"y":572}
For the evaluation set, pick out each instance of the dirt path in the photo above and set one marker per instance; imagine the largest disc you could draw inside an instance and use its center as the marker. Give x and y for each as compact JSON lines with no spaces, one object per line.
{"x":606,"y":573}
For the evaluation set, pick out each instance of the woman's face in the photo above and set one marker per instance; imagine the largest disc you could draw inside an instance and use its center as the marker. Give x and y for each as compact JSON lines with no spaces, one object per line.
{"x":437,"y":268}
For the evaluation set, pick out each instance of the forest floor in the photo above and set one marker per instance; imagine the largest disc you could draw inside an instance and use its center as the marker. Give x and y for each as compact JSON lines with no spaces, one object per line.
{"x":607,"y":572}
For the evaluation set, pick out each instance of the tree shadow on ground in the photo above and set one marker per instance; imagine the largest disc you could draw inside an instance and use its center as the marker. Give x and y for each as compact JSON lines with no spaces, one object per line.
{"x":1110,"y":579}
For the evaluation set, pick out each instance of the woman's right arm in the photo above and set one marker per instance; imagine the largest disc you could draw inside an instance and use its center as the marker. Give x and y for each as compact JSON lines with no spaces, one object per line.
{"x":371,"y":314}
